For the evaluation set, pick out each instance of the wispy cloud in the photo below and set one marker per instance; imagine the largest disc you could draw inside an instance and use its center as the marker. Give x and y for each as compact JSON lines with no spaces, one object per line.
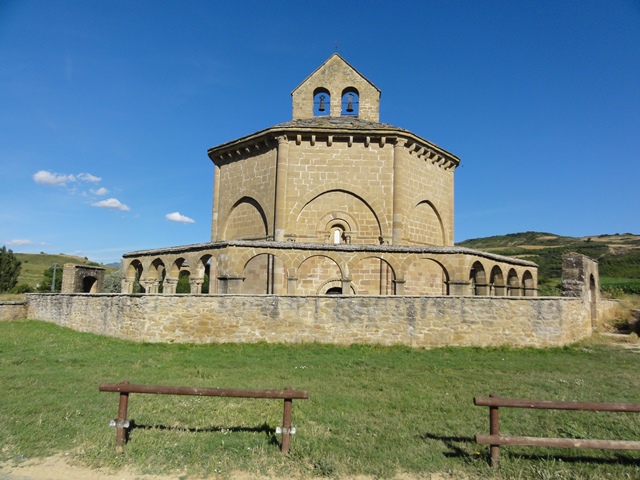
{"x":111,"y":203}
{"x":87,"y":177}
{"x":21,"y":243}
{"x":177,"y":217}
{"x":45,"y":177}
{"x":100,"y":191}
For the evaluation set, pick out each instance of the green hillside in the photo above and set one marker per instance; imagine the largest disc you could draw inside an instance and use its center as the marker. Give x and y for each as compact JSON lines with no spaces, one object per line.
{"x":618,"y":255}
{"x":34,"y":264}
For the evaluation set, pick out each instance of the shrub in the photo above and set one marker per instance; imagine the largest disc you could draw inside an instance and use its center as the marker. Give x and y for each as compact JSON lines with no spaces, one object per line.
{"x":22,"y":288}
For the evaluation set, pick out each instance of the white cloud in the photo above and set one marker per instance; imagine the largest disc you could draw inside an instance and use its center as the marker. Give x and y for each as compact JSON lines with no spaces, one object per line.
{"x":49,"y":178}
{"x":177,"y":217}
{"x":20,"y":243}
{"x":100,"y":191}
{"x":87,"y":177}
{"x":111,"y":203}
{"x":60,"y":179}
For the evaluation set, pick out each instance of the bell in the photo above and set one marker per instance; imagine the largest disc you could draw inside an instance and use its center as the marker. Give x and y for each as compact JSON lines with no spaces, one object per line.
{"x":321,"y":107}
{"x":350,"y":103}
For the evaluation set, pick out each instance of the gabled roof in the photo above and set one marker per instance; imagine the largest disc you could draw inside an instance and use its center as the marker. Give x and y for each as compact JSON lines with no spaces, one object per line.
{"x":323,"y":66}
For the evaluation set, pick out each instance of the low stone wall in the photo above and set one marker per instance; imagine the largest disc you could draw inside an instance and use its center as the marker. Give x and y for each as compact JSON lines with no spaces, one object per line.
{"x":13,"y":310}
{"x":386,"y":320}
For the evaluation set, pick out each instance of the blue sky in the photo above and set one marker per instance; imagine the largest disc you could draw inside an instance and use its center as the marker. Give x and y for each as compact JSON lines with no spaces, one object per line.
{"x":107,"y":108}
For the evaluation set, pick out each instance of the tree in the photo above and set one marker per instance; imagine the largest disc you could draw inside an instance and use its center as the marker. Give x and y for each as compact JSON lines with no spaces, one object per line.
{"x":113,"y":282}
{"x":9,"y":269}
{"x":47,"y":278}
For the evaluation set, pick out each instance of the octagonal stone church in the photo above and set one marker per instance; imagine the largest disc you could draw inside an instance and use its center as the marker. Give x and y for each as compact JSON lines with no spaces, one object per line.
{"x":331,"y":202}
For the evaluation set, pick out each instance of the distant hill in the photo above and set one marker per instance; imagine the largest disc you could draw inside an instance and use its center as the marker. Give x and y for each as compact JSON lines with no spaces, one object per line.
{"x":618,"y":255}
{"x":34,"y":264}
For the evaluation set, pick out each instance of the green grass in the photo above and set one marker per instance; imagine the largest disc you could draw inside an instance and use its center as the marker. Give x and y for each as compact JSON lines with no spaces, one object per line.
{"x":373,"y":410}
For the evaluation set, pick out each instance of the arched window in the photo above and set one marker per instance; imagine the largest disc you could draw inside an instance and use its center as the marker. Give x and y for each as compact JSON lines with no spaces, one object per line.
{"x":350,"y":102}
{"x":337,"y":233}
{"x":321,"y":102}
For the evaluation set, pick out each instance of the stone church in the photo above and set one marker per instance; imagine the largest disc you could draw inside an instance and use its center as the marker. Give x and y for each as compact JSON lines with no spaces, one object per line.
{"x":331,"y":202}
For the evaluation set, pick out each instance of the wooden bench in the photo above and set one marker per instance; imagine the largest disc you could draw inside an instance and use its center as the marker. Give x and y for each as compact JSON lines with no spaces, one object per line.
{"x":494,"y":439}
{"x":125,"y":389}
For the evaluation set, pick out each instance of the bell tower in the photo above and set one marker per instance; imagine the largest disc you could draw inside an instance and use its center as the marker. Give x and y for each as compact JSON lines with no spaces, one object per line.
{"x":336,"y":89}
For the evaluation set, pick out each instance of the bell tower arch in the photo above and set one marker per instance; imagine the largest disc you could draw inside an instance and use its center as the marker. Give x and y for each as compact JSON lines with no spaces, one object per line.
{"x":344,"y":92}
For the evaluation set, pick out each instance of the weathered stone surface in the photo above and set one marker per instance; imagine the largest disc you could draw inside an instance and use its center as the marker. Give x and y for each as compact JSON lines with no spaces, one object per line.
{"x":13,"y":310}
{"x":82,"y":278}
{"x":386,"y":320}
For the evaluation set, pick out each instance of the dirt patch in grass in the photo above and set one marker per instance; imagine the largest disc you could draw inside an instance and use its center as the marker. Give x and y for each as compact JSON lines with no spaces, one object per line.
{"x":61,"y":467}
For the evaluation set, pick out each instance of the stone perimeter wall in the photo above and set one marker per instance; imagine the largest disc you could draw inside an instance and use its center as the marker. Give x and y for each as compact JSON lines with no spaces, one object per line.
{"x":13,"y":310}
{"x":386,"y":320}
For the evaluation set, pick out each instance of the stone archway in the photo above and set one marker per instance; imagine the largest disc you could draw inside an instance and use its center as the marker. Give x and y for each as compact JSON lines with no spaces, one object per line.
{"x":478,"y":279}
{"x":496,"y":282}
{"x":314,"y":272}
{"x":373,"y":276}
{"x":426,"y":277}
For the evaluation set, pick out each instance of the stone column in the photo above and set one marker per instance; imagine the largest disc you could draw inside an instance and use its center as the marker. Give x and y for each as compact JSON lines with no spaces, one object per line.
{"x":399,"y":286}
{"x":147,"y":284}
{"x":126,"y":286}
{"x":292,"y":283}
{"x":153,"y":286}
{"x":346,"y":286}
{"x":170,"y":285}
{"x":216,"y":203}
{"x":281,"y":188}
{"x":277,"y":275}
{"x":399,"y":190}
{"x":195,"y":284}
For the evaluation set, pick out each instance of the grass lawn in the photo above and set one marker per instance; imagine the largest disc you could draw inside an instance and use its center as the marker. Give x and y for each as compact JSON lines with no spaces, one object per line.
{"x":374,"y":411}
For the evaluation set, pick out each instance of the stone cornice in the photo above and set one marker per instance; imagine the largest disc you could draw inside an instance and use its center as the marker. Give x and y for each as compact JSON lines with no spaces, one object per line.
{"x":377,"y":133}
{"x":330,"y":247}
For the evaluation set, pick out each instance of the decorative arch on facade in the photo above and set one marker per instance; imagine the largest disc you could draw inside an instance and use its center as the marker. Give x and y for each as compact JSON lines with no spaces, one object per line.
{"x":314,"y":272}
{"x":426,"y":276}
{"x":321,"y":102}
{"x":514,"y":283}
{"x":372,"y":275}
{"x":375,"y":205}
{"x":496,"y":280}
{"x":264,"y":273}
{"x":333,"y":203}
{"x":246,"y":221}
{"x":424,"y":225}
{"x":350,"y":102}
{"x":478,"y":279}
{"x":528,"y":284}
